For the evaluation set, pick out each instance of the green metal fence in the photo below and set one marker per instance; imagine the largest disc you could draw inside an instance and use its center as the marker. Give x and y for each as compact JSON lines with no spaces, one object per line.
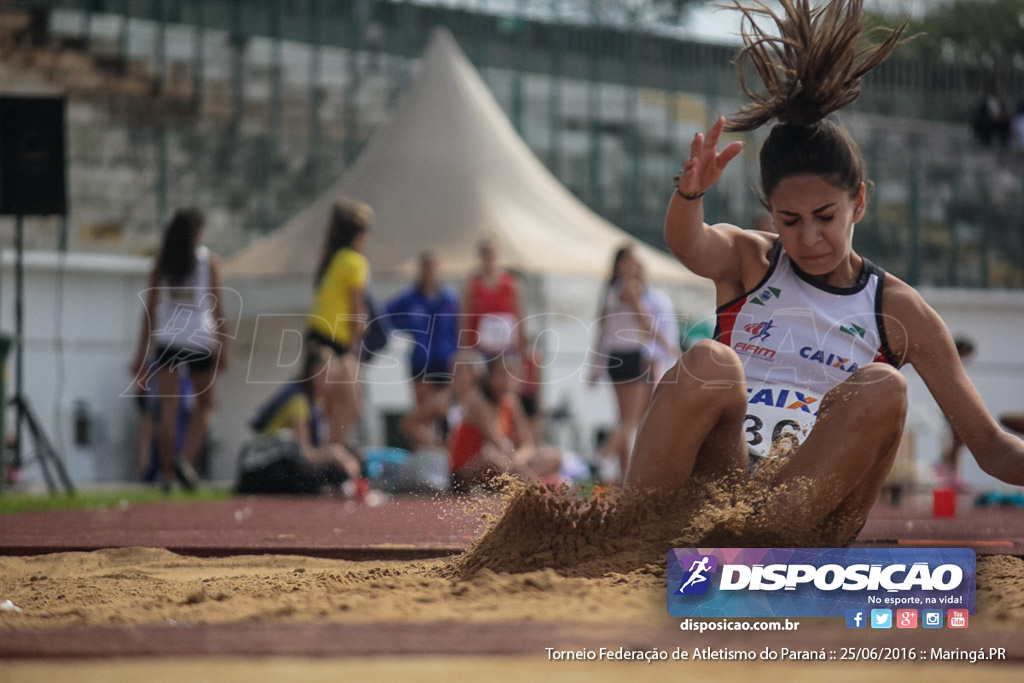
{"x":608,"y":105}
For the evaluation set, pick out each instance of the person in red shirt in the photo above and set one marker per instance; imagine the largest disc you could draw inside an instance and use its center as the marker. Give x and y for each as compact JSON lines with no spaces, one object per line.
{"x":491,"y":308}
{"x":494,"y":435}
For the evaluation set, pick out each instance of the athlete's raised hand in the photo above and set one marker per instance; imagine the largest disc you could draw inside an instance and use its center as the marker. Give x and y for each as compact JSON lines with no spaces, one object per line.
{"x":705,"y":165}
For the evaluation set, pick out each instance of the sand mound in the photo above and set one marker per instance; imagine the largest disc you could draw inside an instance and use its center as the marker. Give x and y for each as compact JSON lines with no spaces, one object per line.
{"x":624,"y":531}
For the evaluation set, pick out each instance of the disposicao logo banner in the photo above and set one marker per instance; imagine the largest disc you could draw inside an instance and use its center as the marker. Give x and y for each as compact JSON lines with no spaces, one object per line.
{"x":817,"y":582}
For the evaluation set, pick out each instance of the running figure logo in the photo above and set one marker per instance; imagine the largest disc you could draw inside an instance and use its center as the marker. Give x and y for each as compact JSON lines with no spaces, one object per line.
{"x":760,"y":330}
{"x":696,"y":580}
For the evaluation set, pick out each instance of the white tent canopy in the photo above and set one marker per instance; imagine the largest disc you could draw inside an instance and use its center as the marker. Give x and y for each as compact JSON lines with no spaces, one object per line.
{"x":446,"y":169}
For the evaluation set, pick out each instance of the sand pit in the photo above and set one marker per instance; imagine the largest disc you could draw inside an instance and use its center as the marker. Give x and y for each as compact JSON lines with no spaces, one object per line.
{"x":554,"y":572}
{"x":141,"y":586}
{"x":412,"y":619}
{"x":135,"y":586}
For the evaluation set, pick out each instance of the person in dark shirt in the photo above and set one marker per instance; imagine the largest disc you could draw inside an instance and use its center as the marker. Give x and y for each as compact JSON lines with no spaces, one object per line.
{"x":429,"y":313}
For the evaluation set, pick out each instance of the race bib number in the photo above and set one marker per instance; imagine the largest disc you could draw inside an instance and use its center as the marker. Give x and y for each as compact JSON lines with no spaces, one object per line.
{"x":776,"y":414}
{"x":496,"y":331}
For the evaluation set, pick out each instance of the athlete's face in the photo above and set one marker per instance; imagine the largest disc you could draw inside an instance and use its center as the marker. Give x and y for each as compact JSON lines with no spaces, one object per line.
{"x":815,"y":221}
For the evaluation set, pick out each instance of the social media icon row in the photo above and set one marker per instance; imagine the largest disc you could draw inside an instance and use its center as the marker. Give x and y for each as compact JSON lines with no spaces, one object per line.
{"x":905,"y":618}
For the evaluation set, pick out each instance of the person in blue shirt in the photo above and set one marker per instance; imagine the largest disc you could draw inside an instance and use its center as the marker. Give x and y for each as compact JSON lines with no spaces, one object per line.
{"x":429,"y":313}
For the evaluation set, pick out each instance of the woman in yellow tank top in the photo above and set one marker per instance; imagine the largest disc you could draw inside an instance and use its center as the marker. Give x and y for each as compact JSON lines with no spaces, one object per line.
{"x":338,"y":315}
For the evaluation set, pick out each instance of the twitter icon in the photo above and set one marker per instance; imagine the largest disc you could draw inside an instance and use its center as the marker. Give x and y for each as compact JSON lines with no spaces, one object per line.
{"x":881,"y":618}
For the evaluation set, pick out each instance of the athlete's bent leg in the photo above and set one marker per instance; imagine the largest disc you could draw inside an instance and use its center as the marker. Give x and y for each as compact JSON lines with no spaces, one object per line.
{"x":838,"y":471}
{"x":693,"y":425}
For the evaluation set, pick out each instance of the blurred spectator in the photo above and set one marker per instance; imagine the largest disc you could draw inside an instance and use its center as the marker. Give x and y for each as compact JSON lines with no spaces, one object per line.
{"x":624,"y":331}
{"x":183,"y":320}
{"x":662,"y":349}
{"x":429,"y":312}
{"x":339,"y":313}
{"x":1017,"y":128}
{"x":491,"y":307}
{"x":468,"y":368}
{"x":991,"y":118}
{"x":147,"y":454}
{"x":494,"y":435}
{"x":530,"y":387}
{"x":145,"y":444}
{"x":297,"y":410}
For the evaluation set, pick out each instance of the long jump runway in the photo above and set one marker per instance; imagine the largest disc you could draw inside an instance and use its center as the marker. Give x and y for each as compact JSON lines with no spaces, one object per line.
{"x":401,"y":528}
{"x":409,"y":527}
{"x":412,"y":528}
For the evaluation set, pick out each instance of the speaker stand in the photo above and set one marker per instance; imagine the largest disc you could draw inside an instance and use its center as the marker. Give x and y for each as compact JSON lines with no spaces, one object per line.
{"x":45,"y":453}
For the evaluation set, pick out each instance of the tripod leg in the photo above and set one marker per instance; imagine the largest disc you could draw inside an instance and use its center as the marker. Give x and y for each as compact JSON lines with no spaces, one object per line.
{"x":43,"y":446}
{"x":23,"y":414}
{"x":47,"y":452}
{"x":51,"y":485}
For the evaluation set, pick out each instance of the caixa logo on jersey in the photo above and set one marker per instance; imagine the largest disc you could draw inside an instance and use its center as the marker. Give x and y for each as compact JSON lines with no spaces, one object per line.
{"x":816,"y":582}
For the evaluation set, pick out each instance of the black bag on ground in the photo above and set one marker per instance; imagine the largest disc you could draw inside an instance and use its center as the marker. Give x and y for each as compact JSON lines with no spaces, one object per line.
{"x":275,"y":465}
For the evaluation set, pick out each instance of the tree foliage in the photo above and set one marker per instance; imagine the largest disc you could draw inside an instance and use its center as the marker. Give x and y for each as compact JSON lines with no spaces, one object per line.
{"x":643,"y":11}
{"x":984,"y":33}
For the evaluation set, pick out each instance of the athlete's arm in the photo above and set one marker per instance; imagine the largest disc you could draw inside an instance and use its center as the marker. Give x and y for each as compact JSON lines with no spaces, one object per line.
{"x":719,"y":252}
{"x":917,"y":333}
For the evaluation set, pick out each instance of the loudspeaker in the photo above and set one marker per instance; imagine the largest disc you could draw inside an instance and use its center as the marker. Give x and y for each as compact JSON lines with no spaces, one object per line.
{"x":32,"y":181}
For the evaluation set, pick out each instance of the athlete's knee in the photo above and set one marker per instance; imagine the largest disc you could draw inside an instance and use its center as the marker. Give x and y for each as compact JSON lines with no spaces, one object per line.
{"x":880,"y":394}
{"x":708,"y":375}
{"x":882,"y":381}
{"x":710,"y":364}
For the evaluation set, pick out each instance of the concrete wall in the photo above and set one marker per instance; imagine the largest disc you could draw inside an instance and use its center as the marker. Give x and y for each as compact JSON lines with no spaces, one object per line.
{"x":81,"y":324}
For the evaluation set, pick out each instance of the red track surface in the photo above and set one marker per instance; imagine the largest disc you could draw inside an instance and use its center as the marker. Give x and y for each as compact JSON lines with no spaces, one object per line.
{"x":403,"y":528}
{"x":399,"y":528}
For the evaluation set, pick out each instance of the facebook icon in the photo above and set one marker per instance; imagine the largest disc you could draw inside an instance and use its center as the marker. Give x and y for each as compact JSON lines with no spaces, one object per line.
{"x":856,"y":618}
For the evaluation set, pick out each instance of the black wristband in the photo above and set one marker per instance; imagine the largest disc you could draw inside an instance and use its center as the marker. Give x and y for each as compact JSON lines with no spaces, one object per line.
{"x":690,"y":197}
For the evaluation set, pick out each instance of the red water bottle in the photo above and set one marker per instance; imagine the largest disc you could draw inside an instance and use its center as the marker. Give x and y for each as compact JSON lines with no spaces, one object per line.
{"x":362,"y":488}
